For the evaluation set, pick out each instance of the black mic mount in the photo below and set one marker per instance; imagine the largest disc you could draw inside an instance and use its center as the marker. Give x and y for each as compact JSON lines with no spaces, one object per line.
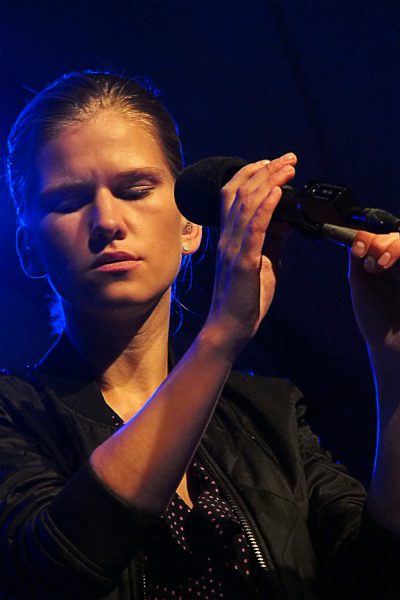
{"x":321,"y":208}
{"x":318,"y":211}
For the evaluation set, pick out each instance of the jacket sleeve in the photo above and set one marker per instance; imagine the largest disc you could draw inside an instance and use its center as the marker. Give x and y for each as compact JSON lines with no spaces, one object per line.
{"x":357,"y":558}
{"x":60,"y":536}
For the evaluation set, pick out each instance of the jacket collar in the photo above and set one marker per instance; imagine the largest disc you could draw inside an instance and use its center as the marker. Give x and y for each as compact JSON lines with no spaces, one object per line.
{"x":64,"y":372}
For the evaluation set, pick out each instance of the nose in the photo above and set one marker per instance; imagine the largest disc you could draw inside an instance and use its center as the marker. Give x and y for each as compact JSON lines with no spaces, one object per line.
{"x":106,"y":221}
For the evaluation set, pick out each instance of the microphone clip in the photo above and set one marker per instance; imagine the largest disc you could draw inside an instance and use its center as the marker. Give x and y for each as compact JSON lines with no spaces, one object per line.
{"x":321,"y":205}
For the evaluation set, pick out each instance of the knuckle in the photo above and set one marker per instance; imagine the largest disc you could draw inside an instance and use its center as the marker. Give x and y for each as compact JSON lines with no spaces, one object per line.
{"x":227,"y":256}
{"x":394,"y":239}
{"x":245,"y":204}
{"x":254,"y":227}
{"x":249,"y":168}
{"x":221,"y":245}
{"x":246,"y":265}
{"x":243,"y":192}
{"x":379,"y":245}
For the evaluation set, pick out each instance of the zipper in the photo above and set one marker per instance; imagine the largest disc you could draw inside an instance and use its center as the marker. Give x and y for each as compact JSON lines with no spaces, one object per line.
{"x":143,"y":576}
{"x":236,"y":504}
{"x":144,"y":581}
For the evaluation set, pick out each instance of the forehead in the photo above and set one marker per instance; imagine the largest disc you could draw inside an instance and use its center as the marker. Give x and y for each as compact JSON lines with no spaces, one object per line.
{"x":106,"y":144}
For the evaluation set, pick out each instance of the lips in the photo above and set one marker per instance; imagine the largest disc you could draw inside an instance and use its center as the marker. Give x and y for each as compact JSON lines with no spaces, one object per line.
{"x":110,"y":258}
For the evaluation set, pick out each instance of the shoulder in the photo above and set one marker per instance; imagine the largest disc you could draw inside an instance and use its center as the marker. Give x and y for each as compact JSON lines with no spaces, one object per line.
{"x":257,"y":388}
{"x":20,"y":394}
{"x":261,"y":403}
{"x":16,"y":383}
{"x":268,"y":395}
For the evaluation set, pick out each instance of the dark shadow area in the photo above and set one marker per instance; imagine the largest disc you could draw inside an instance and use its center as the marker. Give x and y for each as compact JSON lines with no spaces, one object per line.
{"x":253,"y":79}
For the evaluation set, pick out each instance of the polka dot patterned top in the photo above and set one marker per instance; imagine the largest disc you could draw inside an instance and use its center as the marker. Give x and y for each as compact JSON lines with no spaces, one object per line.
{"x":201,"y":553}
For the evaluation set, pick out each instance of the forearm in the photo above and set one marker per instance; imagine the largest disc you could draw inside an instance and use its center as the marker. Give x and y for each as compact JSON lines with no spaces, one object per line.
{"x":145,"y":460}
{"x":384,"y":494}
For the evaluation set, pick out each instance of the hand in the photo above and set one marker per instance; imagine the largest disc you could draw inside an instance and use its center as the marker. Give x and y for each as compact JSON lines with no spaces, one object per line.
{"x":245,"y":277}
{"x":375,"y":288}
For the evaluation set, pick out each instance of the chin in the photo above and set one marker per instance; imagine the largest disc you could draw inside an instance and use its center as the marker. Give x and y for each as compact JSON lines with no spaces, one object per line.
{"x":120,"y":297}
{"x":129,"y":301}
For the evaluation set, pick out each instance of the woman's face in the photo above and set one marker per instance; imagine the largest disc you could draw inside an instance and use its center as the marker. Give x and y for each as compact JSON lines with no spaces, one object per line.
{"x":104,"y":221}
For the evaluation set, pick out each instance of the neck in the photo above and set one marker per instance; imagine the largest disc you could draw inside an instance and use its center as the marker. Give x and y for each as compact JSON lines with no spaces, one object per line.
{"x":127,"y":353}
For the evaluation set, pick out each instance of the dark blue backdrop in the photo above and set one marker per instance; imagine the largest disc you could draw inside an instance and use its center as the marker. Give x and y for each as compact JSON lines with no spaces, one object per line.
{"x":243,"y":78}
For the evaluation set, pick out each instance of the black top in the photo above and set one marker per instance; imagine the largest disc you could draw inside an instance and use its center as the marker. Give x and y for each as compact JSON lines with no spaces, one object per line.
{"x":208,"y":540}
{"x":64,"y":534}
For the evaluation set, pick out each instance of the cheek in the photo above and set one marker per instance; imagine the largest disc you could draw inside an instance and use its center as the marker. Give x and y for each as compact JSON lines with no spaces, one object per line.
{"x":169,"y":244}
{"x":58,"y":241}
{"x":171,"y":230}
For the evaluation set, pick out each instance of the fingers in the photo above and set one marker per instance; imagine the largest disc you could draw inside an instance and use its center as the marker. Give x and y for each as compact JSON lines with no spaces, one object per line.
{"x":250,"y":187}
{"x":379,"y":251}
{"x":253,"y":239}
{"x":244,"y":174}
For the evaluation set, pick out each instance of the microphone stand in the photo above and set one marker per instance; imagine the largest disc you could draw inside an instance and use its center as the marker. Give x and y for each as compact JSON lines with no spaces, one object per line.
{"x":337,"y":234}
{"x":322,"y":211}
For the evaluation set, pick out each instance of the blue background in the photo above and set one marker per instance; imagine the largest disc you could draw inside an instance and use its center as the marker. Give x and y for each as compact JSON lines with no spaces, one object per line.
{"x":253,"y":79}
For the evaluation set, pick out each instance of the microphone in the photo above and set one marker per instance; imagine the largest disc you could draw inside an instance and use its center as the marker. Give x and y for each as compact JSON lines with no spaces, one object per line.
{"x":310,"y":210}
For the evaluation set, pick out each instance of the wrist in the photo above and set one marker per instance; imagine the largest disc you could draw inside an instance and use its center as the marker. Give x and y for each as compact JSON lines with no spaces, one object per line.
{"x":217,"y":342}
{"x":386,"y":368}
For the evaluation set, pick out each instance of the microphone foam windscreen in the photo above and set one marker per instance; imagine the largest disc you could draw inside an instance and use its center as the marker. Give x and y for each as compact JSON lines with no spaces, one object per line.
{"x":197,"y":189}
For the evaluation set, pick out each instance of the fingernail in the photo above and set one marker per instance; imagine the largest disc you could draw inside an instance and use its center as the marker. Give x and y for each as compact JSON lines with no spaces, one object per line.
{"x":385,"y":259}
{"x":288,"y":156}
{"x":287,"y":169}
{"x":264,"y":162}
{"x":370,"y":265}
{"x":359,"y":248}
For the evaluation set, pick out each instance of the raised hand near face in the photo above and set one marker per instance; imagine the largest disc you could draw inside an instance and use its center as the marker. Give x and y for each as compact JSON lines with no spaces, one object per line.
{"x":248,"y":251}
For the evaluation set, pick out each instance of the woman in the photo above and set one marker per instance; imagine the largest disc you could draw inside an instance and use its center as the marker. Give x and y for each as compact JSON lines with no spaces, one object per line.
{"x":106,"y":491}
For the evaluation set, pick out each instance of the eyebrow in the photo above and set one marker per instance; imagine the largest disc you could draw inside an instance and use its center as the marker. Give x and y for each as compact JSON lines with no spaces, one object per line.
{"x":140,"y":173}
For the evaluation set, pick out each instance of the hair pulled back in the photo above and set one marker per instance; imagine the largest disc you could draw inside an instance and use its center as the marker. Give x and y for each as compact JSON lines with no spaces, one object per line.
{"x":72,"y":99}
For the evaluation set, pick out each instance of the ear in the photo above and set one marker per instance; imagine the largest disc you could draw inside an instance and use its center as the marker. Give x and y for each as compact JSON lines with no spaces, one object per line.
{"x":191,"y":237}
{"x":29,"y":260}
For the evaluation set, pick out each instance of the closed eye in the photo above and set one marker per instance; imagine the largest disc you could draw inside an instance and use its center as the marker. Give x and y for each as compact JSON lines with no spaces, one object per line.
{"x":64,"y":203}
{"x":134,"y":193}
{"x":69,"y":205}
{"x":137,"y":184}
{"x":70,"y":196}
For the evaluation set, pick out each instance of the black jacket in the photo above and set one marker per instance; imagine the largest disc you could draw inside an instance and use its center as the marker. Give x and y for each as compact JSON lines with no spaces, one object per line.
{"x":64,"y":534}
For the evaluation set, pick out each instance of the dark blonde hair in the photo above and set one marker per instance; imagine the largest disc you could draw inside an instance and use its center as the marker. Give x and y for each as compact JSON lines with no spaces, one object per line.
{"x":75,"y":98}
